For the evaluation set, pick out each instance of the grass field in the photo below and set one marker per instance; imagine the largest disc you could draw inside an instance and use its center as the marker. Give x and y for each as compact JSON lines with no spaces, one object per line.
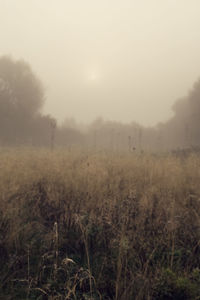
{"x":78,"y":225}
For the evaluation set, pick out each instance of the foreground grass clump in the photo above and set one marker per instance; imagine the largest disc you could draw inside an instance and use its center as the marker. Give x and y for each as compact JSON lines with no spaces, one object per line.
{"x":99,"y":226}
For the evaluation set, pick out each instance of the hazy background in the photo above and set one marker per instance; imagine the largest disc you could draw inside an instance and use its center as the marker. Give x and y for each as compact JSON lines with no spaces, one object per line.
{"x":123,"y":60}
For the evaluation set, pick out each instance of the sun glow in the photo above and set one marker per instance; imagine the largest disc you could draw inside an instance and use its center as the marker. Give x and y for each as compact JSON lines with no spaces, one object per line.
{"x":92,"y":75}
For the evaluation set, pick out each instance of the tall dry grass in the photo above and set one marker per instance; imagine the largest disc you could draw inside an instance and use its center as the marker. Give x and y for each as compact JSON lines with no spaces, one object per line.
{"x":80,"y":225}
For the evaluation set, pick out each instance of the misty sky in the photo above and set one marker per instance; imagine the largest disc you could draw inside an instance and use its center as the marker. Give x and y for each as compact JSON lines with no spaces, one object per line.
{"x":125,"y":60}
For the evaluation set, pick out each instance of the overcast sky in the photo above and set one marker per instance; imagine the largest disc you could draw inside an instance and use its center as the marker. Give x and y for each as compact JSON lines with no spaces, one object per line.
{"x":125,"y":60}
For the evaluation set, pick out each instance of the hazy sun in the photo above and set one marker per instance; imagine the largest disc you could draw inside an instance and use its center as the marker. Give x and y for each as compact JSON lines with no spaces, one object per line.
{"x":92,"y":76}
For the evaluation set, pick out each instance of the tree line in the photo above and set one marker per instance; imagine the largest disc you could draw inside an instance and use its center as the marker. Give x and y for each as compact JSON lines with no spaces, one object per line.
{"x":22,"y":122}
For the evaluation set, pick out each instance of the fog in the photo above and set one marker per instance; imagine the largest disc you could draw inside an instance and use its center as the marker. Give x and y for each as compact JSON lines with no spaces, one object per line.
{"x":121,"y":60}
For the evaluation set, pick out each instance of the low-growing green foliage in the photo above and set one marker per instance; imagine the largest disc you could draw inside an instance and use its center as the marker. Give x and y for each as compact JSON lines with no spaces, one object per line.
{"x":79,"y":225}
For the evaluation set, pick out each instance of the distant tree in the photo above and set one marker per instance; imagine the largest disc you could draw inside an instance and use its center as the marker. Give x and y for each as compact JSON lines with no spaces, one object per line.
{"x":22,"y":89}
{"x":21,"y":99}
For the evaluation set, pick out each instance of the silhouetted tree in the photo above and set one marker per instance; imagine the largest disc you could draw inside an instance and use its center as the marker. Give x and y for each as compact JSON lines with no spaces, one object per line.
{"x":21,"y":98}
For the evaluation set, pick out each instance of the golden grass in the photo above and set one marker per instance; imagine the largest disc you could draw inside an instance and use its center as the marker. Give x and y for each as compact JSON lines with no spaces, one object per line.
{"x":123,"y":223}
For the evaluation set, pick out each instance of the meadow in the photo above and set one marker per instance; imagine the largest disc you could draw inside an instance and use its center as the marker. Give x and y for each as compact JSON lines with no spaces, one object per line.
{"x":99,"y":225}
